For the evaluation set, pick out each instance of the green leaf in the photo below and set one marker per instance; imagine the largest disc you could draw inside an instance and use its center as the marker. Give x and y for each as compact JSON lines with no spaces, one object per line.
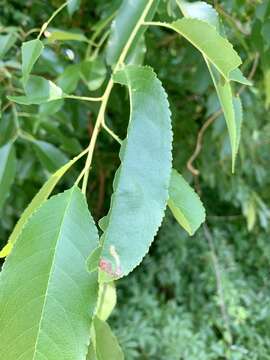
{"x":6,"y":43}
{"x":38,"y":90}
{"x":73,"y":5}
{"x":7,"y":170}
{"x":237,"y":76}
{"x":36,"y":202}
{"x":207,"y":40}
{"x":69,"y":79}
{"x":232,"y":110}
{"x":60,"y":35}
{"x":185,"y":204}
{"x":31,"y":51}
{"x":229,"y":104}
{"x":49,"y":155}
{"x":47,"y":296}
{"x":106,"y":345}
{"x":142,"y":181}
{"x":93,"y":72}
{"x":106,"y":300}
{"x":199,"y":10}
{"x":127,"y":17}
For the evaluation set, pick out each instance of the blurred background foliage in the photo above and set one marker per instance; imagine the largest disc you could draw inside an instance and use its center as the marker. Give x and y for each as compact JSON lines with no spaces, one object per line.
{"x":205,"y":297}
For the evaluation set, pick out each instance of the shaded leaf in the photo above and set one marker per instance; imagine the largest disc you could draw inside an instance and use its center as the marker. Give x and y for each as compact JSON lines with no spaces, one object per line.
{"x":127,"y":17}
{"x":73,"y":5}
{"x":185,"y":204}
{"x":38,"y":90}
{"x":142,"y":181}
{"x":50,"y":156}
{"x":6,"y":42}
{"x":31,"y":51}
{"x":93,"y":72}
{"x":39,"y":287}
{"x":36,"y":202}
{"x":69,"y":79}
{"x":7,"y":170}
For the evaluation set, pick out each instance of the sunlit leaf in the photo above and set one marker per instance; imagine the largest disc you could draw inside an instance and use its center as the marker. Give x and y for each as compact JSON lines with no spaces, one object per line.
{"x":185,"y":204}
{"x":106,"y":345}
{"x":60,"y":35}
{"x":36,"y":202}
{"x":47,"y":296}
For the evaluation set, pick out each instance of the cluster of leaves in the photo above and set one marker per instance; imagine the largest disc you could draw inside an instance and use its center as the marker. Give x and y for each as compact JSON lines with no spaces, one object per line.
{"x":50,"y":128}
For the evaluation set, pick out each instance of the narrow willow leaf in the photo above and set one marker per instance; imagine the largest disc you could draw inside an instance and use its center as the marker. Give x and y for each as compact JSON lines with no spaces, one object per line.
{"x":142,"y":181}
{"x":230,"y":106}
{"x":106,"y":300}
{"x":232,"y":110}
{"x":7,"y":170}
{"x":38,"y":90}
{"x":106,"y":345}
{"x":47,"y":297}
{"x":207,"y":40}
{"x":49,"y":155}
{"x":185,"y":204}
{"x":60,"y":35}
{"x":128,"y":16}
{"x":73,"y":5}
{"x":36,"y":202}
{"x":31,"y":51}
{"x":6,"y":43}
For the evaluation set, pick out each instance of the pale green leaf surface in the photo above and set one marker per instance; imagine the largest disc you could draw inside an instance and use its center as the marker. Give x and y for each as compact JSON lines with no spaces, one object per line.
{"x":36,"y":202}
{"x":47,"y":304}
{"x":31,"y":51}
{"x":60,"y":35}
{"x":38,"y":90}
{"x":49,"y":155}
{"x":73,"y":5}
{"x":207,"y":40}
{"x":185,"y":204}
{"x":106,"y":344}
{"x":106,"y":300}
{"x":7,"y":170}
{"x":199,"y":10}
{"x":142,"y":181}
{"x":237,"y":76}
{"x":128,"y":15}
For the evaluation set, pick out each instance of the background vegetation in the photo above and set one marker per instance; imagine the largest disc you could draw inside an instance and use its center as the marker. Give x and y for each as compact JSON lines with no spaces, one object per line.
{"x":205,"y":297}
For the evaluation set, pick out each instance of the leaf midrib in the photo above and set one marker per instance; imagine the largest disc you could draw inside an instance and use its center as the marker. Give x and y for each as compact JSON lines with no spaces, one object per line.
{"x":50,"y":275}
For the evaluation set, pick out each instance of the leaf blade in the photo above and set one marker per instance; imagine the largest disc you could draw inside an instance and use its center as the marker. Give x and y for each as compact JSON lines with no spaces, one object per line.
{"x":185,"y":204}
{"x":36,"y":202}
{"x":7,"y":170}
{"x":38,"y":295}
{"x":140,"y":196}
{"x":31,"y":51}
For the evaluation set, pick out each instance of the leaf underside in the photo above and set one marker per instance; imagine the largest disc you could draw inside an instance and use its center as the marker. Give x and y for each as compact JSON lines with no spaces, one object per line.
{"x":142,"y":181}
